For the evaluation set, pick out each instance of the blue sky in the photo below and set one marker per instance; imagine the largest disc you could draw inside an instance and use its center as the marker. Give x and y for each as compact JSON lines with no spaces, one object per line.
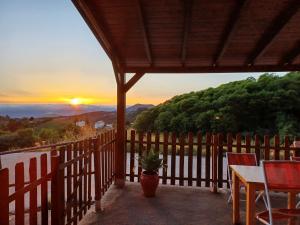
{"x":49,"y":55}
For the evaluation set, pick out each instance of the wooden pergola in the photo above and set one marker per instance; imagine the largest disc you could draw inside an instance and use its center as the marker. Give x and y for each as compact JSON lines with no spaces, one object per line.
{"x":191,"y":36}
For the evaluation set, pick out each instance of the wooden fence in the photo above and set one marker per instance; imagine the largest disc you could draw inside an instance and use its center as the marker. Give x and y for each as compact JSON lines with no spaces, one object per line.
{"x":60,"y":184}
{"x":199,"y":160}
{"x":62,"y":194}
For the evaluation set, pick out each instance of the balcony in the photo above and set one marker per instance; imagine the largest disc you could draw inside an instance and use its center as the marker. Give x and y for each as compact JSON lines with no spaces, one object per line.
{"x":193,"y":188}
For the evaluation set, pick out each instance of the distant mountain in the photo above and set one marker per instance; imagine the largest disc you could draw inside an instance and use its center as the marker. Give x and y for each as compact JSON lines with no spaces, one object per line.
{"x":138,"y":107}
{"x":69,"y":113}
{"x":134,"y":110}
{"x":49,"y":110}
{"x":108,"y":117}
{"x":92,"y":117}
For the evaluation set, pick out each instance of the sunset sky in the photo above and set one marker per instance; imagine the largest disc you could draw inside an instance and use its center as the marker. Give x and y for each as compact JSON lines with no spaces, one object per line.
{"x":49,"y":55}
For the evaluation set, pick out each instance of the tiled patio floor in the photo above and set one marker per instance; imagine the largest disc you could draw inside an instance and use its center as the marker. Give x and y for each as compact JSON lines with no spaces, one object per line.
{"x":172,"y":206}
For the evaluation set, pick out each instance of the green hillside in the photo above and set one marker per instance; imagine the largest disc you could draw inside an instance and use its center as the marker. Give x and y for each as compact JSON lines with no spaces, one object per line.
{"x":268,"y":105}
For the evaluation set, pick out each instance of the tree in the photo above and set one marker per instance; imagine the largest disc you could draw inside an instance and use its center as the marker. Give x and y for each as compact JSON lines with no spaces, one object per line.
{"x":269,"y":104}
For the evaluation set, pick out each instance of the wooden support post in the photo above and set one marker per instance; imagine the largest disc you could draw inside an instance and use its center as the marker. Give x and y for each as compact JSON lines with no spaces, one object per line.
{"x":120,"y":138}
{"x":214,"y":187}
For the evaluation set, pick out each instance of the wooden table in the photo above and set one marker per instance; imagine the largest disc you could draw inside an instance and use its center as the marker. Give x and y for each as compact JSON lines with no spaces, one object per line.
{"x":252,"y":178}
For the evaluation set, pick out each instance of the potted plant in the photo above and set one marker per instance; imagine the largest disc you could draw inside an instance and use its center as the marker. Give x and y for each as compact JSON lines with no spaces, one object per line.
{"x":150,"y":163}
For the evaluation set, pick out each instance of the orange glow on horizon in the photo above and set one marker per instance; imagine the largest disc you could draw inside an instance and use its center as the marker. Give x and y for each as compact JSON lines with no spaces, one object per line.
{"x":110,"y":100}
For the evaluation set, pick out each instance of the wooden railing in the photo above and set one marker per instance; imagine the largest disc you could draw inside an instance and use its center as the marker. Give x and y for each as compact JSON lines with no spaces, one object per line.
{"x":199,"y":159}
{"x":73,"y":165}
{"x":192,"y":160}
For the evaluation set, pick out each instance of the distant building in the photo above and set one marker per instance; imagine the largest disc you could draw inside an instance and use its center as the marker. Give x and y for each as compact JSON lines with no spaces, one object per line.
{"x":80,"y":123}
{"x":109,"y":125}
{"x":99,"y":124}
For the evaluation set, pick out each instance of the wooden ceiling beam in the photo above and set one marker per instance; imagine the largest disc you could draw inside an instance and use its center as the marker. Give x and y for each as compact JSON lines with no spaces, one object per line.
{"x":99,"y":30}
{"x":290,"y":57}
{"x":145,"y":32}
{"x":187,"y":5}
{"x":213,"y":69}
{"x":270,"y":34}
{"x":133,"y":80}
{"x":230,"y":29}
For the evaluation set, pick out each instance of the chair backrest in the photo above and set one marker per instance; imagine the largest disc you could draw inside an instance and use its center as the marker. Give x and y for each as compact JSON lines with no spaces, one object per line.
{"x":245,"y":159}
{"x":282,"y":174}
{"x":295,"y":158}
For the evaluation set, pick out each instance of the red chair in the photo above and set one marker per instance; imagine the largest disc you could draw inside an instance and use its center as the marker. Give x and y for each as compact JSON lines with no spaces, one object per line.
{"x":279,"y":175}
{"x":242,"y":159}
{"x":296,"y":158}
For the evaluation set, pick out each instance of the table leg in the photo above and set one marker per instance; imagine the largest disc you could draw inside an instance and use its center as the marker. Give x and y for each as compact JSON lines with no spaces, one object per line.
{"x":235,"y":198}
{"x":291,"y":205}
{"x":250,"y":204}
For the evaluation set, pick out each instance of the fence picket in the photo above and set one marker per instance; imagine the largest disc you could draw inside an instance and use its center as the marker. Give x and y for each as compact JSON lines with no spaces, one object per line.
{"x":276,"y":147}
{"x":75,"y":177}
{"x":173,"y":159}
{"x":157,"y":137}
{"x":207,"y":159}
{"x":199,"y":158}
{"x":141,"y":147}
{"x":19,"y":184}
{"x":229,"y":149}
{"x":149,"y":136}
{"x":132,"y":154}
{"x":33,"y":192}
{"x":257,"y":148}
{"x":238,"y":143}
{"x":54,"y":191}
{"x":286,"y":148}
{"x":165,"y":157}
{"x":44,"y":189}
{"x":220,"y":160}
{"x":248,"y":143}
{"x":215,"y":163}
{"x":91,"y":154}
{"x":181,"y":159}
{"x":85,"y":165}
{"x":267,"y":147}
{"x":69,"y":170}
{"x":190,"y":158}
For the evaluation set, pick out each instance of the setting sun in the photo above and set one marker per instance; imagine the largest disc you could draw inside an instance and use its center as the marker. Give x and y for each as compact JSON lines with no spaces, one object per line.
{"x":75,"y":101}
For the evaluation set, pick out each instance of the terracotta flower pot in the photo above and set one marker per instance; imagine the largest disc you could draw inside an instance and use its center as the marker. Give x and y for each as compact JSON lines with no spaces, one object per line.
{"x":149,"y":182}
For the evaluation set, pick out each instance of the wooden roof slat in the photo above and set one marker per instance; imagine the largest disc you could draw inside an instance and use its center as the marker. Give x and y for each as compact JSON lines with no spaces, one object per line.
{"x":292,"y":55}
{"x":211,"y":69}
{"x":188,"y":4}
{"x":141,"y":15}
{"x":273,"y":31}
{"x":231,"y":27}
{"x":196,"y":36}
